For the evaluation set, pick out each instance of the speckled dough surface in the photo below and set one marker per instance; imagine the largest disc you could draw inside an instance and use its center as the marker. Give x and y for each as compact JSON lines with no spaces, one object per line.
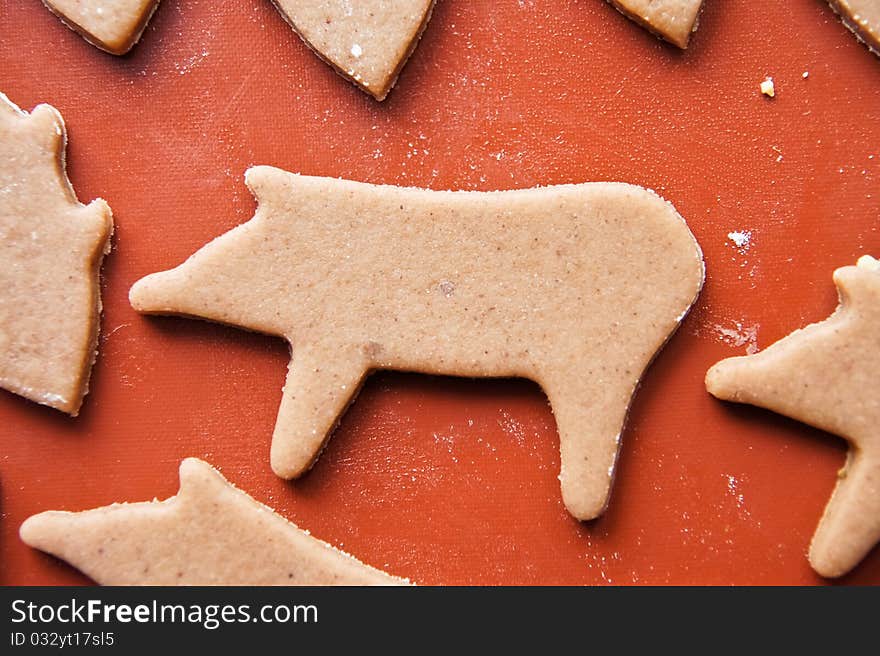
{"x":366,"y":42}
{"x":210,"y":533}
{"x":111,"y":25}
{"x":576,"y":287}
{"x":673,"y":20}
{"x":863,"y":18}
{"x":51,"y":247}
{"x":826,"y":375}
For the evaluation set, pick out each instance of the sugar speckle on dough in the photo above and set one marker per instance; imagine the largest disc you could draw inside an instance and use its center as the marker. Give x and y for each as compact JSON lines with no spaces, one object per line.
{"x":768,"y":88}
{"x":447,"y":288}
{"x":53,"y":399}
{"x":356,"y":50}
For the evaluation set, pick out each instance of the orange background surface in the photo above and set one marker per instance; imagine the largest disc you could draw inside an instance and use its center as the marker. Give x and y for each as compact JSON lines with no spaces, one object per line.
{"x":438,"y":479}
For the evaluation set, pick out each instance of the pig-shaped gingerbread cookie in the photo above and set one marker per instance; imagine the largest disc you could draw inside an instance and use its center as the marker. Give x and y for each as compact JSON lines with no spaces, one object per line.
{"x":51,"y":248}
{"x":576,"y":287}
{"x":210,"y":533}
{"x":826,"y":375}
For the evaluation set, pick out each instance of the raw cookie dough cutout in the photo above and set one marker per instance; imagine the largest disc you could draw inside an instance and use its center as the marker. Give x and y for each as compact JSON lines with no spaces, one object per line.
{"x":826,"y":375}
{"x":576,"y":287}
{"x":366,"y":42}
{"x":862,"y":18}
{"x":51,"y":247}
{"x":111,"y":25}
{"x":210,"y":533}
{"x":672,"y":20}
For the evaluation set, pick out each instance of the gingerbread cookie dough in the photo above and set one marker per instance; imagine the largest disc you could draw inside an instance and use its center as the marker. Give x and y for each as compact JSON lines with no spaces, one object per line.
{"x":672,"y":20}
{"x":51,"y":247}
{"x":111,"y":25}
{"x":576,"y":287}
{"x":826,"y":375}
{"x":862,"y":17}
{"x":366,"y":42}
{"x":209,"y":534}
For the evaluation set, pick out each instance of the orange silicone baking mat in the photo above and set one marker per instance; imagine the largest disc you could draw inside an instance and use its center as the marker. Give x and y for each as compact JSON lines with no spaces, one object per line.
{"x":445,"y":480}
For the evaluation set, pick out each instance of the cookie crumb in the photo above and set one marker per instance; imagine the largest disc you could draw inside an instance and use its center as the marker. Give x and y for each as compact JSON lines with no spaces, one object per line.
{"x":806,"y":74}
{"x":742,"y":239}
{"x":768,"y":88}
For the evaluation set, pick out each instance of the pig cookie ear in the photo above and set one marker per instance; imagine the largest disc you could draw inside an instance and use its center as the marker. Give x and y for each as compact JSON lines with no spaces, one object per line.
{"x":279,"y":189}
{"x":48,"y":126}
{"x":45,"y":530}
{"x":199,"y":479}
{"x":101,"y":217}
{"x":47,"y":129}
{"x":44,"y":121}
{"x":9,"y":108}
{"x":859,"y":284}
{"x":265,"y":182}
{"x":869,"y":263}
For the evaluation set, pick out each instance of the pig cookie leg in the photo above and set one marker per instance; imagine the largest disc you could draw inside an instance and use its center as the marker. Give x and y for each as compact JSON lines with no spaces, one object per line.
{"x":320,"y":385}
{"x":589,"y":419}
{"x":850,"y":526}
